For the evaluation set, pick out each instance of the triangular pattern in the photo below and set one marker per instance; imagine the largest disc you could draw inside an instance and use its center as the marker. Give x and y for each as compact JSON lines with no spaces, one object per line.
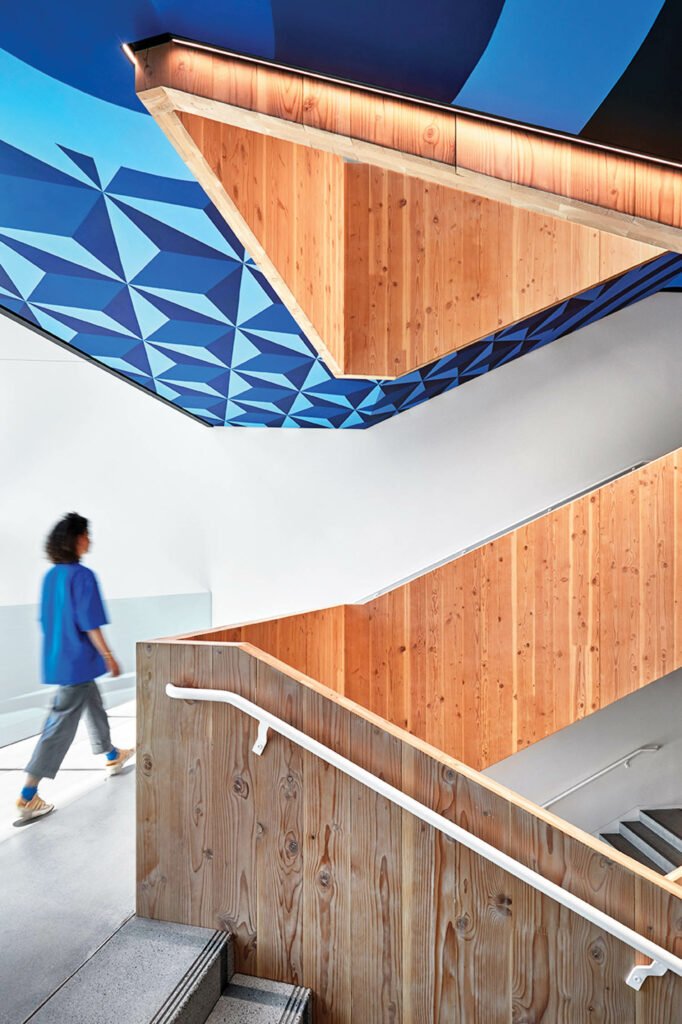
{"x":196,"y":323}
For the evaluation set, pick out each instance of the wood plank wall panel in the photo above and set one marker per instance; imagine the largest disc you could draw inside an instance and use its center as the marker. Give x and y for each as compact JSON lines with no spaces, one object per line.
{"x":640,"y":545}
{"x":487,"y":654}
{"x":519,"y":638}
{"x":154,"y":760}
{"x":327,"y":889}
{"x":323,"y":883}
{"x":430,"y":269}
{"x":624,"y":184}
{"x":391,"y":271}
{"x":280,"y":811}
{"x":312,"y":642}
{"x":537,"y":629}
{"x":292,"y":198}
{"x":658,"y":914}
{"x":612,"y":191}
{"x":236,"y":828}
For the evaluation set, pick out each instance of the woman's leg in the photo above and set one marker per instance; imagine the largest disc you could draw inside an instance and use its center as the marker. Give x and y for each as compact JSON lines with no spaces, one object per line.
{"x":57,"y":735}
{"x":97,"y":721}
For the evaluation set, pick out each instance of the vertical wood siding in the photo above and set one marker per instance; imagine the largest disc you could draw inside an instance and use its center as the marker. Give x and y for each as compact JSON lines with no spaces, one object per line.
{"x":519,"y":638}
{"x":325,"y":883}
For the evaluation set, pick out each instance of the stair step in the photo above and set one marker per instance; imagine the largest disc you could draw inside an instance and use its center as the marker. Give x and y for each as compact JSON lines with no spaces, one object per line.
{"x":257,"y":1001}
{"x":148,"y":972}
{"x":652,"y":845}
{"x":666,"y":822}
{"x":620,"y":843}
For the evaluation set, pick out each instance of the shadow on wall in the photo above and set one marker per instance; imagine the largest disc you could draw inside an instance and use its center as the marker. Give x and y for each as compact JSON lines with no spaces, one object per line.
{"x":24,"y":700}
{"x":652,"y":715}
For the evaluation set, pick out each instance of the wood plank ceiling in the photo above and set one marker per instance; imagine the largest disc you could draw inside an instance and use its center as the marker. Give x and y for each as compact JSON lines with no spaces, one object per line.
{"x":396,"y":232}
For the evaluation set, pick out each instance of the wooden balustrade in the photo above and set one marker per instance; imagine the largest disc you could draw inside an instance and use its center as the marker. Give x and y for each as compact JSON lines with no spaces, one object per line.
{"x":519,"y":638}
{"x":324,"y":882}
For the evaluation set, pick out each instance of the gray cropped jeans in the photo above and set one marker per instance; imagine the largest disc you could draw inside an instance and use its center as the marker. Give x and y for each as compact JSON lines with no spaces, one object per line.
{"x":60,"y":728}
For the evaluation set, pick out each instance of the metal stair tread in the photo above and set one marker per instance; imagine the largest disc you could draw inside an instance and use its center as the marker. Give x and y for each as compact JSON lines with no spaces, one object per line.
{"x":620,"y":843}
{"x":655,"y":842}
{"x":248,"y":1000}
{"x":669,"y":820}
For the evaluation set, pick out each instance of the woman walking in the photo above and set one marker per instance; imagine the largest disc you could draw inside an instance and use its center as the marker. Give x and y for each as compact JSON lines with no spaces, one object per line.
{"x":74,"y":654}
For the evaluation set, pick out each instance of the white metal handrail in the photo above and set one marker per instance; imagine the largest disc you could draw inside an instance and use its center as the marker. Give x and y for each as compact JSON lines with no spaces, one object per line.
{"x":661,"y":959}
{"x":651,"y":748}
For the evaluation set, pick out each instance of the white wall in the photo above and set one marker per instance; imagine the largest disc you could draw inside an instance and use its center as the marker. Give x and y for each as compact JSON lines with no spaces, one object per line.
{"x":277,"y":521}
{"x":309,"y":518}
{"x":72,"y":437}
{"x":650,"y":716}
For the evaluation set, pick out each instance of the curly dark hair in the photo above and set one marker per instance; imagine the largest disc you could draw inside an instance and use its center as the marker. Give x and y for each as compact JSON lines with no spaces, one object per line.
{"x":60,"y":545}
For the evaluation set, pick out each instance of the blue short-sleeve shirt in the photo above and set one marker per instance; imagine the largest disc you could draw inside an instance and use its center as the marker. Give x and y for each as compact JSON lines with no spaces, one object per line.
{"x":70,"y":605}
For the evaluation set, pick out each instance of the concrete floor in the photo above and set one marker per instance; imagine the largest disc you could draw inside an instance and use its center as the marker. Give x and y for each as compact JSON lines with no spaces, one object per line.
{"x":67,"y":881}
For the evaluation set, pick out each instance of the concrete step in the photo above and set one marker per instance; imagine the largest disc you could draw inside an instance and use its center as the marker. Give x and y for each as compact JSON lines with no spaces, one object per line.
{"x":148,"y":972}
{"x":665,"y":856}
{"x":665,"y":822}
{"x":256,"y":1001}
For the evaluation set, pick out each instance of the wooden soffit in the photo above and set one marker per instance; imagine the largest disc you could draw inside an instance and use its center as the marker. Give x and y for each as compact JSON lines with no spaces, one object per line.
{"x":395,"y":231}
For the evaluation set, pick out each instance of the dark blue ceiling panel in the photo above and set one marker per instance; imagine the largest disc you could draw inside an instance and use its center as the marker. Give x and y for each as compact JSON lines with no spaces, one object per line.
{"x":607,"y":71}
{"x":399,"y":46}
{"x":548,"y":63}
{"x":643,"y":110}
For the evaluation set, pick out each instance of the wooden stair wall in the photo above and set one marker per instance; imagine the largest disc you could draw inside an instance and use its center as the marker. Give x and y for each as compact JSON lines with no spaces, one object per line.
{"x":394,"y":231}
{"x":324,"y":883}
{"x":518,"y":638}
{"x":388,"y":271}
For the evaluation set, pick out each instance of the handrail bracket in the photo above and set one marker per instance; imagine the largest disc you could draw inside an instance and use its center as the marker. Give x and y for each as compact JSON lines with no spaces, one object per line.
{"x":261,"y":738}
{"x":641,"y":972}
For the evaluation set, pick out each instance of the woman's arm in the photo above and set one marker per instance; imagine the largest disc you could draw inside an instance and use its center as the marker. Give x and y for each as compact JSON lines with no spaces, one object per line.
{"x":100,"y":644}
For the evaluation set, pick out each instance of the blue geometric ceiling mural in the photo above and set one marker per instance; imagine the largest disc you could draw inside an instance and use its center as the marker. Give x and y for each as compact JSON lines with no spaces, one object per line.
{"x":110,"y":246}
{"x":141,"y":273}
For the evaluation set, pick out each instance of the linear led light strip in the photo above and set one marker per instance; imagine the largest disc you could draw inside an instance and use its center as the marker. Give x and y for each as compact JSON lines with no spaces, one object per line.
{"x":131,"y":49}
{"x":661,"y":959}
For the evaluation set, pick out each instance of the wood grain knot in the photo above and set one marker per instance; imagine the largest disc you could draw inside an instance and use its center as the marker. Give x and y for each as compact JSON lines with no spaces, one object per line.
{"x":147,"y":764}
{"x":597,"y":953}
{"x":291,"y":845}
{"x":503,"y":904}
{"x":449,"y":775}
{"x":208,"y":854}
{"x":324,"y":879}
{"x":463,"y":923}
{"x":241,"y":787}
